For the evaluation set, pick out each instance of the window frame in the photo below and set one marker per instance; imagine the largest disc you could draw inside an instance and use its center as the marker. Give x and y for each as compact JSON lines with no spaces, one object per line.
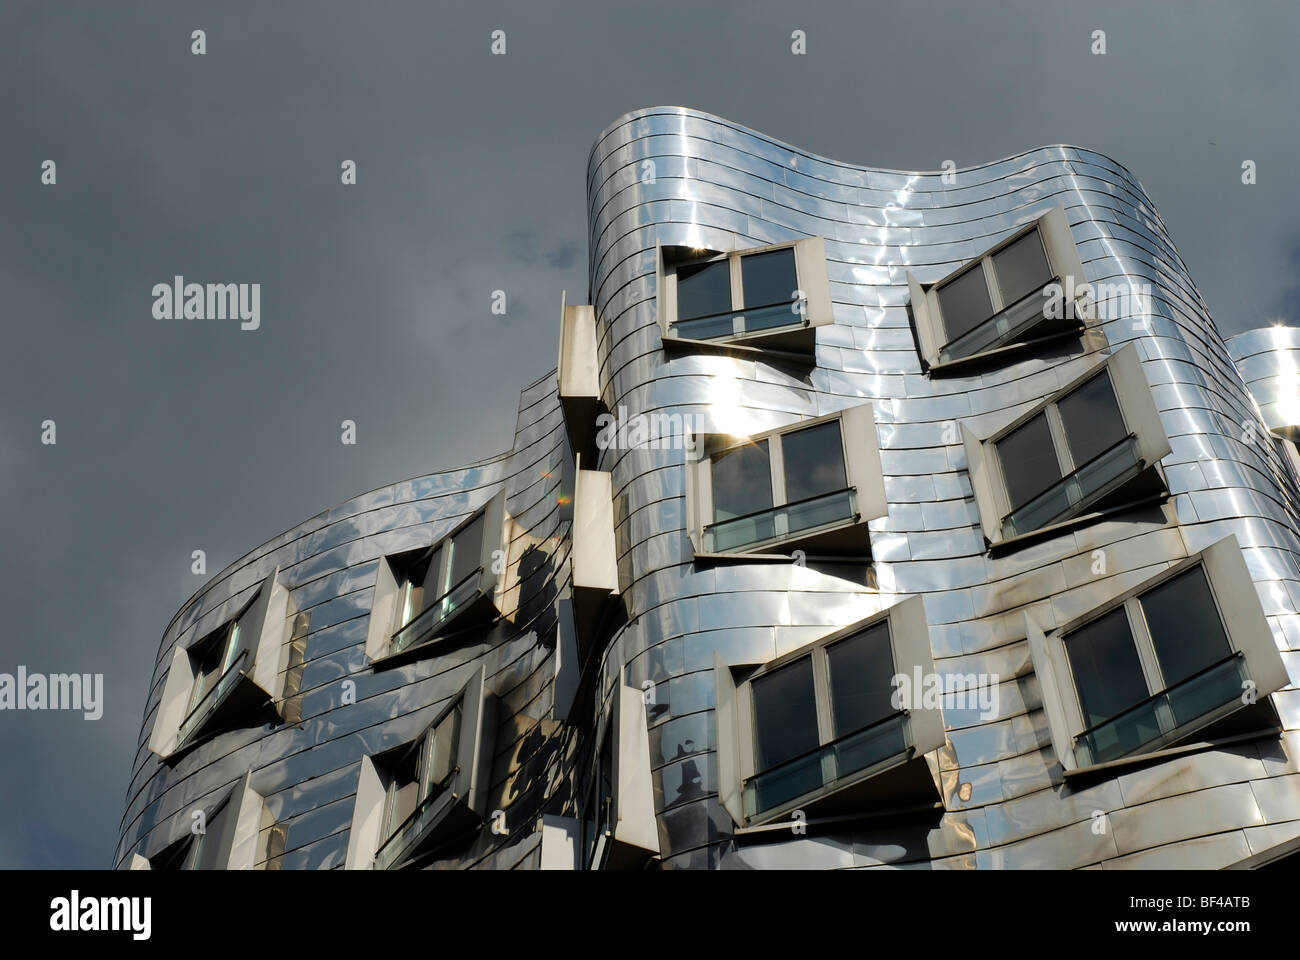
{"x":619,"y":830}
{"x":1066,"y":269}
{"x":1140,"y":418}
{"x":234,"y":823}
{"x":1233,"y":594}
{"x":795,"y":340}
{"x":460,"y":806}
{"x":863,"y":474}
{"x":909,"y":639}
{"x":479,"y":608}
{"x":253,"y":666}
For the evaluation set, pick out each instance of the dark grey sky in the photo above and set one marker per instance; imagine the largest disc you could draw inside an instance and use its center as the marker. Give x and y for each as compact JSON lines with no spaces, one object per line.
{"x":182,"y":435}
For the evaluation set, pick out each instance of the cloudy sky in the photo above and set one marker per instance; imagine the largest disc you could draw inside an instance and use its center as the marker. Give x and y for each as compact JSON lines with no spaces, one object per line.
{"x":177,"y":435}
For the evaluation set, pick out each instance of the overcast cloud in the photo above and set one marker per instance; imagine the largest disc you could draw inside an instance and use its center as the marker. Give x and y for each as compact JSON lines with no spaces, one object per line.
{"x":182,"y":435}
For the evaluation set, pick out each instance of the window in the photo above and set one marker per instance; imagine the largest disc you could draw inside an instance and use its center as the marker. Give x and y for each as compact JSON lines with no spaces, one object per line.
{"x":577,"y":378}
{"x":231,"y":838}
{"x":421,"y":777}
{"x":1174,"y":656}
{"x":1093,"y":446}
{"x":422,"y":594}
{"x":812,"y":485}
{"x":828,"y":726}
{"x":618,"y":830}
{"x":1028,"y":287}
{"x":771,"y":298}
{"x":231,"y":671}
{"x":430,"y":791}
{"x":594,"y":558}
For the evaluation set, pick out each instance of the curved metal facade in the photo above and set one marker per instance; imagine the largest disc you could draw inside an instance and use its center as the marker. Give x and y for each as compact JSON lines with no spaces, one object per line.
{"x":719,"y":186}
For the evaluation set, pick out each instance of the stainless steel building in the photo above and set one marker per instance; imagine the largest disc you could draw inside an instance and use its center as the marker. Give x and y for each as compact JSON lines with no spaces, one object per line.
{"x":870,"y":519}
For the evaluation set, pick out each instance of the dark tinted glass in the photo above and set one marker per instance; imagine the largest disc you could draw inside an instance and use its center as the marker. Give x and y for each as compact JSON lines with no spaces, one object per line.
{"x":814,"y":461}
{"x":703,"y":289}
{"x":442,"y":750}
{"x":785,"y":714}
{"x":1107,"y":673}
{"x":742,"y":481}
{"x":1021,"y":268}
{"x":1028,"y":460}
{"x":466,"y":552}
{"x":1185,"y":626}
{"x":861,"y":668}
{"x":768,"y":278}
{"x":964,"y":303}
{"x":1091,"y":417}
{"x":434,"y":583}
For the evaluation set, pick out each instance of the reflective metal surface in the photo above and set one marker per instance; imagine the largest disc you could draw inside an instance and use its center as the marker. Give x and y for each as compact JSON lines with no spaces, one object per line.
{"x":719,"y":186}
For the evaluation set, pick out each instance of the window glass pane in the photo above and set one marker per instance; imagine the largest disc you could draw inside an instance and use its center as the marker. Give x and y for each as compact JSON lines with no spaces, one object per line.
{"x":466,"y":551}
{"x":703,"y":289}
{"x":768,"y":278}
{"x":1092,"y":421}
{"x":434,"y":582}
{"x":861,"y":669}
{"x":742,"y":481}
{"x":1185,"y":626}
{"x":403,"y":790}
{"x":964,"y":303}
{"x":814,"y":461}
{"x":1028,"y":460}
{"x":1107,"y":672}
{"x":1021,"y":268}
{"x":785,"y":714}
{"x":442,"y":750}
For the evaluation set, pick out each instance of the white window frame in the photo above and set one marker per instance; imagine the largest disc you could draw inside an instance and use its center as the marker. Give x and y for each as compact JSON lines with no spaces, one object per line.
{"x":628,"y":831}
{"x":485,"y":604}
{"x":577,"y":376}
{"x":909,"y":638}
{"x":798,"y":338}
{"x":1244,"y":622}
{"x":1141,"y":421}
{"x":1064,"y":263}
{"x":864,"y":475}
{"x":240,"y":817}
{"x":254,"y":672}
{"x":462,"y":805}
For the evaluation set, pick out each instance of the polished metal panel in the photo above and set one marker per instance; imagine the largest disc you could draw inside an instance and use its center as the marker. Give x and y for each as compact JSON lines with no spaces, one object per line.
{"x":1006,"y":804}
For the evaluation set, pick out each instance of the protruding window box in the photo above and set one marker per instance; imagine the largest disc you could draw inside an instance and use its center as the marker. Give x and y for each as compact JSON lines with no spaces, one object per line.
{"x":1092,"y":447}
{"x":227,"y":674}
{"x":1184,"y":656}
{"x":577,"y":375}
{"x":423,"y":595}
{"x":231,"y":838}
{"x":594,"y":557}
{"x":826,"y":729}
{"x":619,"y":829}
{"x":430,"y":792}
{"x":1028,"y":288}
{"x":811,"y":486}
{"x":770,"y":299}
